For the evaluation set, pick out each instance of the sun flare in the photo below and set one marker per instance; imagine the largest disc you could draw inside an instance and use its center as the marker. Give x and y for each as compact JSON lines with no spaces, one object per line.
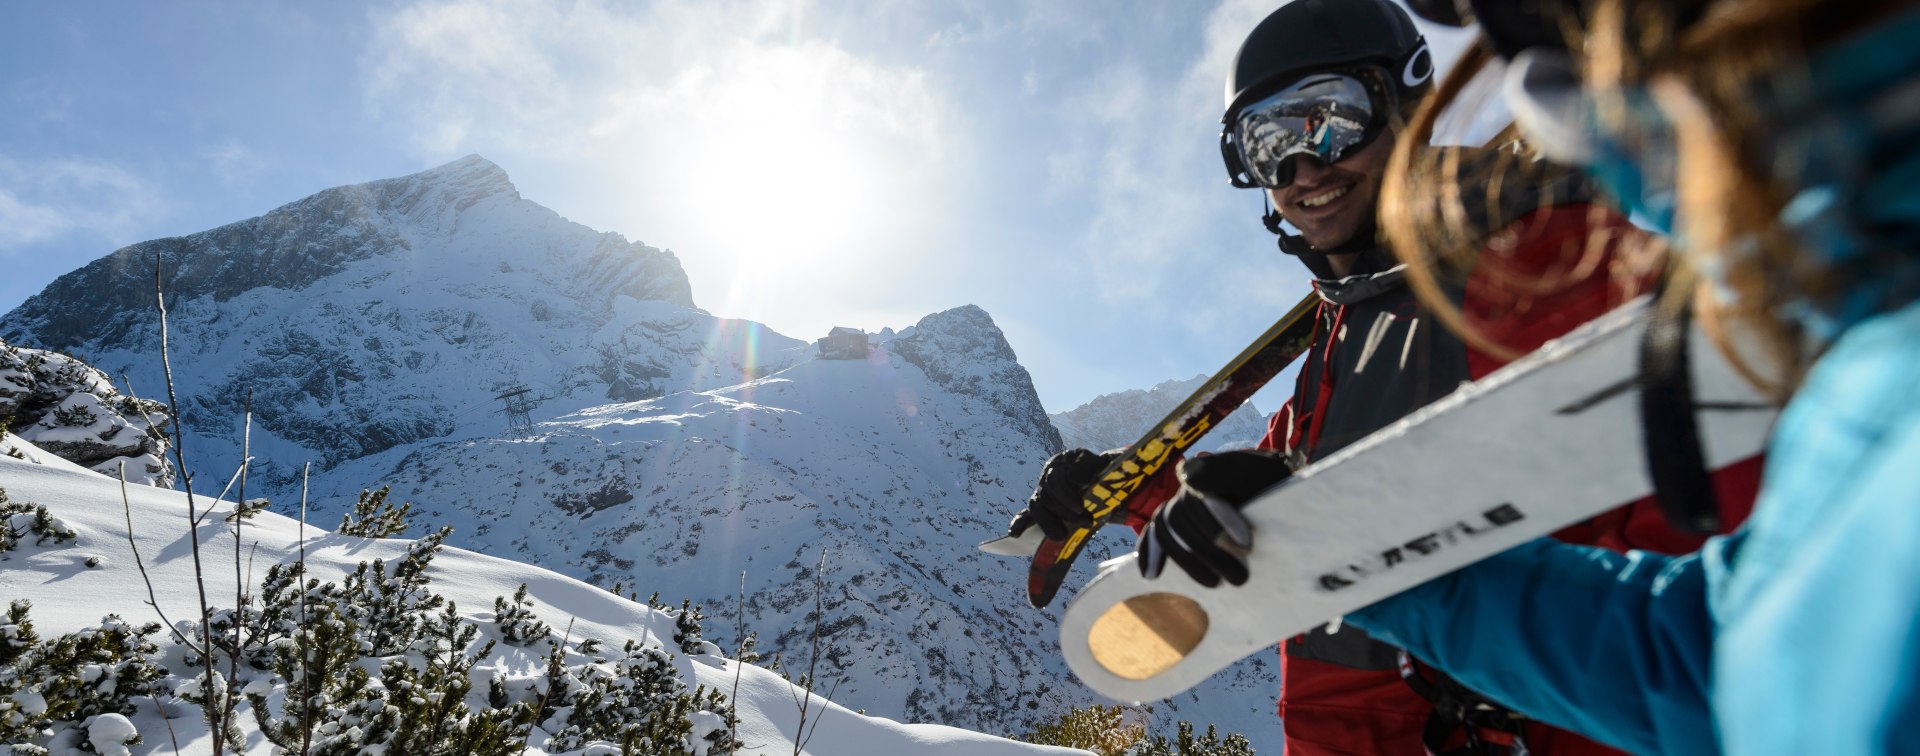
{"x":784,"y":168}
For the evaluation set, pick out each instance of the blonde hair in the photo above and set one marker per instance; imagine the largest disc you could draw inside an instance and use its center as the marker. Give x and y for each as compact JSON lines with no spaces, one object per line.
{"x":1705,"y":80}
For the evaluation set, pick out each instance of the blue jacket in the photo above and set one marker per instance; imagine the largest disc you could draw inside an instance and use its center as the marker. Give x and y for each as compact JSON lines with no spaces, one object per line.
{"x":1800,"y":633}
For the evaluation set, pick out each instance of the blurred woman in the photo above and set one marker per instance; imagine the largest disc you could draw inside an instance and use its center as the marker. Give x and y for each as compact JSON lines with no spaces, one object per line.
{"x":1778,"y":141}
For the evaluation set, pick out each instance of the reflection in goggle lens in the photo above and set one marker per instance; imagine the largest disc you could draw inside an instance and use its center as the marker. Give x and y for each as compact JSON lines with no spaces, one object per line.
{"x":1323,"y":116}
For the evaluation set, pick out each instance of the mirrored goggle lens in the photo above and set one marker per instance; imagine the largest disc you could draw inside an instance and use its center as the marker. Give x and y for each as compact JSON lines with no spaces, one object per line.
{"x":1322,"y":117}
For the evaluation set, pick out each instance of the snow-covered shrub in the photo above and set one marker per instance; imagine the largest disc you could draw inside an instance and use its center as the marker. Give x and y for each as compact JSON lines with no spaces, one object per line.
{"x":75,"y":689}
{"x":74,"y":412}
{"x":375,"y":517}
{"x":637,"y":703}
{"x":315,"y":672}
{"x":427,"y":698}
{"x":518,"y":625}
{"x":686,"y":625}
{"x":276,"y":616}
{"x":1185,"y":744}
{"x":19,"y":519}
{"x":20,"y":715}
{"x":311,"y":650}
{"x":1105,"y":730}
{"x":318,"y":639}
{"x":1119,"y":731}
{"x":391,"y":609}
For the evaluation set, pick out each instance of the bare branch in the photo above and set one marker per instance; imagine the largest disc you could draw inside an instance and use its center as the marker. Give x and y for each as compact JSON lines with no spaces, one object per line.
{"x":126,"y":505}
{"x":215,"y":713}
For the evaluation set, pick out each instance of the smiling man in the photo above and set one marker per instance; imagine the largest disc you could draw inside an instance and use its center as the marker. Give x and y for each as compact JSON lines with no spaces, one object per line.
{"x":1316,"y":97}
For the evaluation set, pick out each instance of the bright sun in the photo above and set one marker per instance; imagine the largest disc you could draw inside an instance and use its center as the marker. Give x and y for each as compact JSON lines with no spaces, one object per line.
{"x":785,"y":169}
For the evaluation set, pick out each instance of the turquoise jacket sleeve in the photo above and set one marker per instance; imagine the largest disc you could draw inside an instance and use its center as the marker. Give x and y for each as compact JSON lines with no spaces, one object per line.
{"x":1614,"y":646}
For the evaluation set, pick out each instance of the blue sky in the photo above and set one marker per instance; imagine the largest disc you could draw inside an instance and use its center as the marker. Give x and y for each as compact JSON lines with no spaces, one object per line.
{"x":812,"y":164}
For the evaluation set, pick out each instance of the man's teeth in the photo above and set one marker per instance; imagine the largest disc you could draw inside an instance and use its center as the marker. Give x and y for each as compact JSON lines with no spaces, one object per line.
{"x":1325,"y":198}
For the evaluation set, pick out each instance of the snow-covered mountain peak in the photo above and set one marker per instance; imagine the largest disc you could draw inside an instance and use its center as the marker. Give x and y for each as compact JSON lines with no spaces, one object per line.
{"x":471,"y":175}
{"x":383,"y":313}
{"x":962,"y":350}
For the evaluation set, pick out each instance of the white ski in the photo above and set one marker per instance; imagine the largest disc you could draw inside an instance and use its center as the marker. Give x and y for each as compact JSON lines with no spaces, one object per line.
{"x":1545,"y":442}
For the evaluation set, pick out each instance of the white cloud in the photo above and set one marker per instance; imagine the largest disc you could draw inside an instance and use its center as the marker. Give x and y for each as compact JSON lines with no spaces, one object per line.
{"x":42,"y":200}
{"x":233,"y":162}
{"x":1152,"y":172}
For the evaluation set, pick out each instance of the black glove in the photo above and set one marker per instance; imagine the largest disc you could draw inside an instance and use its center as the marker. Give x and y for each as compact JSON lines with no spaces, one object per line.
{"x":1202,"y":529}
{"x":1055,"y":504}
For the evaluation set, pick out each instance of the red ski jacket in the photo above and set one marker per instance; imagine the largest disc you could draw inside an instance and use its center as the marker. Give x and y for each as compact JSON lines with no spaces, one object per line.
{"x":1377,"y":355}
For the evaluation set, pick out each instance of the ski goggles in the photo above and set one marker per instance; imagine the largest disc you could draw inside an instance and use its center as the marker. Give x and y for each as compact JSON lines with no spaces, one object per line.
{"x":1325,"y":116}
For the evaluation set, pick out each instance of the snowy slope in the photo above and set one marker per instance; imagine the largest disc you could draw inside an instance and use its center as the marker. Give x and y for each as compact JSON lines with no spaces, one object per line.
{"x":380,"y":314}
{"x":1112,"y":421}
{"x":68,"y":595}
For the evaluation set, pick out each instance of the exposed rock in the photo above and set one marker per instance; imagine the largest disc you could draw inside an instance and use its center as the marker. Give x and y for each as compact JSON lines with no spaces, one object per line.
{"x":73,"y":411}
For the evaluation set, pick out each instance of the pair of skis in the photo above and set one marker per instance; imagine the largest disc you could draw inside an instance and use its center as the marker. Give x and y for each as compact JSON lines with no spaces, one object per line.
{"x":1149,"y":458}
{"x":1548,"y":441}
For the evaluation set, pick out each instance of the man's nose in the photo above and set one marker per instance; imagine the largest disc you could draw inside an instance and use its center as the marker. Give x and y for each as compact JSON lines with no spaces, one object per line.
{"x":1307,"y":169}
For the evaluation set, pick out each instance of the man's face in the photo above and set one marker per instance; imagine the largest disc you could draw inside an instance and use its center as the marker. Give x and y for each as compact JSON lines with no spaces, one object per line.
{"x":1331,"y":203}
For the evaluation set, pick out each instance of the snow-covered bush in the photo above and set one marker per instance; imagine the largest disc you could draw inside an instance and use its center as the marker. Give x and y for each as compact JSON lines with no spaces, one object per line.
{"x":376,"y":662}
{"x":314,"y":642}
{"x":1119,"y":731}
{"x":637,"y":703}
{"x":74,"y":412}
{"x":19,"y":519}
{"x":517,"y":623}
{"x":686,"y":625}
{"x":375,"y":517}
{"x":72,"y":688}
{"x":1104,"y":730}
{"x":1185,"y":744}
{"x":391,"y":610}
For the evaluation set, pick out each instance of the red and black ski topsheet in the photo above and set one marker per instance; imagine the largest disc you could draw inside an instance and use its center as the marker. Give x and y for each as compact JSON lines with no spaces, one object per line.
{"x":1147,"y":458}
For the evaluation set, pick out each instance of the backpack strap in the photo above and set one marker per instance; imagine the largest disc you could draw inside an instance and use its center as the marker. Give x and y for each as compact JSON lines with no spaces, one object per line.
{"x":1670,"y":429}
{"x":1491,"y":729}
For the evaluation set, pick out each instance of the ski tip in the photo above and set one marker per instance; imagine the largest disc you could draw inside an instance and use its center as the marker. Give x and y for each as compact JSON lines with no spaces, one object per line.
{"x":1024,"y":545}
{"x":1046,"y":574}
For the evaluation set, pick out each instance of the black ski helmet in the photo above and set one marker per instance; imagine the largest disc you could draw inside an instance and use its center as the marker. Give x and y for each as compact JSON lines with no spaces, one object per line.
{"x":1307,"y":36}
{"x":1319,"y":35}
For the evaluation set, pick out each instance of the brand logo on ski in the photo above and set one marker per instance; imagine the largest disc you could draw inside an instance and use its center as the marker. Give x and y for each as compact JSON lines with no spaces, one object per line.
{"x":1492,"y":519}
{"x":1120,"y":483}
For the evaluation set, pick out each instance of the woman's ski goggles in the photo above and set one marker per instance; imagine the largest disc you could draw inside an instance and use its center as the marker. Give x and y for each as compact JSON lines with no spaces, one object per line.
{"x":1324,"y":116}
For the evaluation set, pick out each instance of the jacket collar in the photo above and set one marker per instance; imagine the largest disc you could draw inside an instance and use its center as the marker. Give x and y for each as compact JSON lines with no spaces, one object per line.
{"x":1361,"y":286}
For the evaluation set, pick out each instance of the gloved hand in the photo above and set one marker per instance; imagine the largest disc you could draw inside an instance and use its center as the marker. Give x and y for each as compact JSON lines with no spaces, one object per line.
{"x":1202,"y":529}
{"x":1055,"y":504}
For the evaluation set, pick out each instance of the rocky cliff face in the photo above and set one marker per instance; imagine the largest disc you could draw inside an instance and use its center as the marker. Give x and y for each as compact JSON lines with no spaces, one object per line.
{"x":963,"y":351}
{"x":74,"y":412}
{"x":371,"y":316}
